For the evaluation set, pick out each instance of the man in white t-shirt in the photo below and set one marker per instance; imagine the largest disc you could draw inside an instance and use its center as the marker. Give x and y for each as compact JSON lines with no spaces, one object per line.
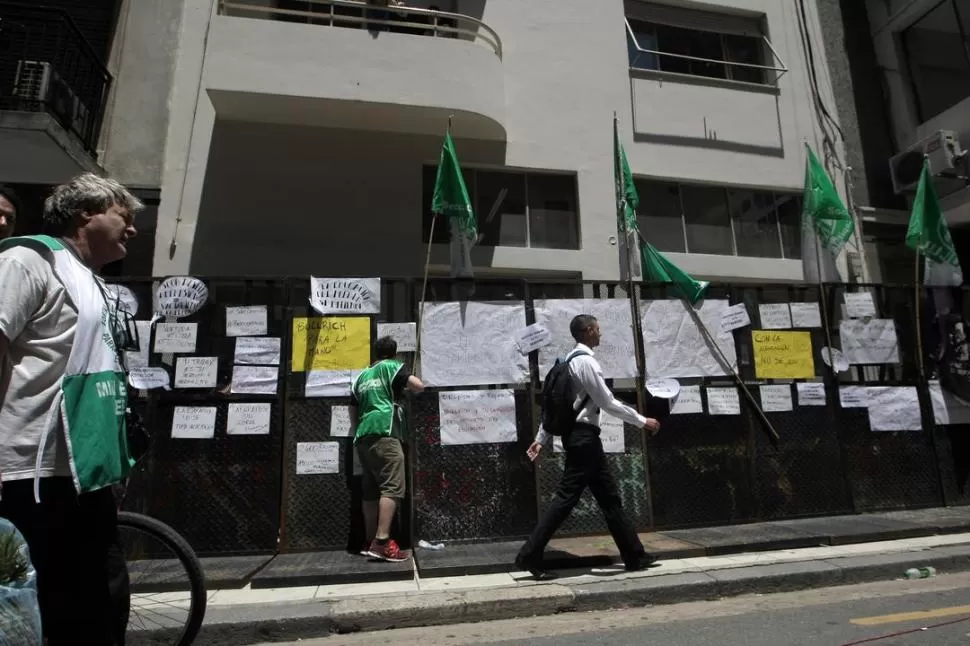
{"x":73,"y":538}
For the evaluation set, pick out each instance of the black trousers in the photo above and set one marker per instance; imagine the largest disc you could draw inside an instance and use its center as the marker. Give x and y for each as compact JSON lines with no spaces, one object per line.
{"x":586,"y":466}
{"x":82,"y":578}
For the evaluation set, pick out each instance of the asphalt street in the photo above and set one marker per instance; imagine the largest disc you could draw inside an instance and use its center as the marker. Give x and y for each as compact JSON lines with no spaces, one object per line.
{"x":915,"y":613}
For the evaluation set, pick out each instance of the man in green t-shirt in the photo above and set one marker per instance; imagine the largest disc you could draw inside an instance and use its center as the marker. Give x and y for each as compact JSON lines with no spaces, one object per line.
{"x":378,"y":418}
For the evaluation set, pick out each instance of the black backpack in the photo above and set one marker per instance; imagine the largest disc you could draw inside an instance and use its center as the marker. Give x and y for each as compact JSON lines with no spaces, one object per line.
{"x":558,"y":396}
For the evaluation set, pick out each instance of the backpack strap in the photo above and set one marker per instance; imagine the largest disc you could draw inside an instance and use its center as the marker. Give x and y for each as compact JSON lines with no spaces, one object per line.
{"x":585,"y":400}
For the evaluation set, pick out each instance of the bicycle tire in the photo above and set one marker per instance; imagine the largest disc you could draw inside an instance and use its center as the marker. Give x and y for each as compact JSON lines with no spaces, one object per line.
{"x":186,"y":555}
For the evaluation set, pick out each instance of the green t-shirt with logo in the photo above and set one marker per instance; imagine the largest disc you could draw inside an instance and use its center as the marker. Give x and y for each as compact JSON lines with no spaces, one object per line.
{"x":375,"y":393}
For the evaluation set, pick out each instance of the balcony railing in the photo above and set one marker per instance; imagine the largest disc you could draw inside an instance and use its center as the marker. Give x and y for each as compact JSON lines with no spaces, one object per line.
{"x":365,"y":15}
{"x":46,"y":65}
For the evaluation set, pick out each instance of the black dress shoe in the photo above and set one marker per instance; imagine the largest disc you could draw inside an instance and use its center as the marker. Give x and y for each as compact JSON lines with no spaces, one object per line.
{"x":642,"y":563}
{"x":536,"y":570}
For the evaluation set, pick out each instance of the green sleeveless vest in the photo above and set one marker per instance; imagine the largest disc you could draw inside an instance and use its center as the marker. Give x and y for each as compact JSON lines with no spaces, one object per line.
{"x":376,"y":410}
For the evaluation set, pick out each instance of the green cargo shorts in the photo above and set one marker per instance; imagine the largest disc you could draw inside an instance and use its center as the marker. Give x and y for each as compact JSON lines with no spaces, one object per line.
{"x":382,"y":459}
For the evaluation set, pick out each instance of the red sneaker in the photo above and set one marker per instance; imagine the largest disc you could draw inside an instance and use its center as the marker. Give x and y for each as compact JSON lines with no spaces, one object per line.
{"x":388,"y":552}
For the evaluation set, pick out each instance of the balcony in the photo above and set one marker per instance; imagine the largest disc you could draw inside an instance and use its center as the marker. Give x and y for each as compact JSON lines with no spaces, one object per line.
{"x":349,"y":64}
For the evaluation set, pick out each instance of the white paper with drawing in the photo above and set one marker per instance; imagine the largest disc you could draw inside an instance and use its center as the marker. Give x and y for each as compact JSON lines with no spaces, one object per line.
{"x":477,"y":416}
{"x":196,"y":372}
{"x":615,"y":352}
{"x":249,"y":320}
{"x":676,"y":347}
{"x":472,"y":343}
{"x":869,"y":341}
{"x":345,"y":295}
{"x":893,"y":408}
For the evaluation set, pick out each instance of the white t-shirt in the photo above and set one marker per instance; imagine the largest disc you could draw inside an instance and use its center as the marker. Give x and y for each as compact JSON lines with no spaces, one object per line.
{"x":39,"y":320}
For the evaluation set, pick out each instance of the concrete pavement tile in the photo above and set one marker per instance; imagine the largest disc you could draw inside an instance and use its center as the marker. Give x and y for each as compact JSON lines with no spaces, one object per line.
{"x":468,"y":582}
{"x":248,"y":595}
{"x":672,"y":588}
{"x":364,"y":589}
{"x":775,"y":578}
{"x":874,"y":567}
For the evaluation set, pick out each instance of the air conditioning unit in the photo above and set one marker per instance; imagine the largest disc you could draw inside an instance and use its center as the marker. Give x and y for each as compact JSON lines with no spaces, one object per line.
{"x":38,"y":81}
{"x":943,"y":151}
{"x":33,"y":80}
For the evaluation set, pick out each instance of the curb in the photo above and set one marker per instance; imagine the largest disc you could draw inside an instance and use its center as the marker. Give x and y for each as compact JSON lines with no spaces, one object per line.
{"x":242,"y":625}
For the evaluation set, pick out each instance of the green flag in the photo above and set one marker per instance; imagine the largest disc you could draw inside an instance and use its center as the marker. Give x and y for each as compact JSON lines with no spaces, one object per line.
{"x":823,"y":207}
{"x":657,"y":269}
{"x":450,"y":195}
{"x":928,"y":233}
{"x":627,"y":198}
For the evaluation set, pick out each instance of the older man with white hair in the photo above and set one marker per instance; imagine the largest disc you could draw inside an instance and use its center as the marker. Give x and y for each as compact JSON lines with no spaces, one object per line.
{"x":62,"y":407}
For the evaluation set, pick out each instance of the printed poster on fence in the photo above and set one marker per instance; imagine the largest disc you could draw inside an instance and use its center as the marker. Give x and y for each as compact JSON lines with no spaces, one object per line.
{"x":345,"y":295}
{"x":615,"y":352}
{"x":472,"y":343}
{"x":782,"y":355}
{"x":331,"y":343}
{"x":676,"y":347}
{"x":477,"y":417}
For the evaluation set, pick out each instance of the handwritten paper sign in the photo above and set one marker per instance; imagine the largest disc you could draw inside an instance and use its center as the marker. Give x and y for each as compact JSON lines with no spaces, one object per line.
{"x":834,"y":358}
{"x":859,"y":305}
{"x":615,"y":352}
{"x":854,"y":397}
{"x":340,"y":421}
{"x":811,"y":393}
{"x":870,"y":341}
{"x":894,"y":408}
{"x":257,"y":351}
{"x":329,"y":383}
{"x":180,"y":296}
{"x":776,"y":399}
{"x":782,"y":355}
{"x":774,"y":316}
{"x":676,"y":347}
{"x":194,"y":422}
{"x":734,"y":317}
{"x":124,"y":297}
{"x":805,"y":315}
{"x":249,"y":419}
{"x":532,"y":338}
{"x":196,"y":372}
{"x":146,"y":378}
{"x":317,"y":458}
{"x":723,"y":401}
{"x":472,"y":343}
{"x":345,"y":295}
{"x":246,"y":321}
{"x":406,"y":335}
{"x":331,"y":343}
{"x":688,"y":401}
{"x":255,"y":380}
{"x":477,"y":416}
{"x":175,"y":338}
{"x":139,"y":358}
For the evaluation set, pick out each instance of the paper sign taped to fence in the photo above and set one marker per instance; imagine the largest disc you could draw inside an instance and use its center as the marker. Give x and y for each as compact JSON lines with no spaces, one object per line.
{"x":675,"y":345}
{"x":249,"y":419}
{"x":859,"y":305}
{"x":688,"y":401}
{"x":869,"y":341}
{"x":811,"y":393}
{"x":340,"y":421}
{"x":615,"y":353}
{"x":805,"y":315}
{"x":734,"y":317}
{"x":723,"y":401}
{"x":258,"y":350}
{"x":176,"y":338}
{"x":194,"y":422}
{"x":894,"y":408}
{"x":532,"y":338}
{"x":345,"y":295}
{"x":947,"y":409}
{"x":472,"y":343}
{"x":774,"y":316}
{"x":331,"y":343}
{"x":782,"y":355}
{"x":180,"y":296}
{"x":124,"y":297}
{"x":404,"y":333}
{"x":139,"y":358}
{"x":776,"y":399}
{"x":146,"y":378}
{"x":250,"y":320}
{"x":255,"y":380}
{"x":611,"y":435}
{"x":317,"y":458}
{"x":854,"y":397}
{"x":477,"y":417}
{"x":329,"y":383}
{"x":196,"y":372}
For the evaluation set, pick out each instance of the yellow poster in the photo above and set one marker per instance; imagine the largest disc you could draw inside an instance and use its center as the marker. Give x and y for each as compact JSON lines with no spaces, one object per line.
{"x":782,"y":355}
{"x":331,"y":343}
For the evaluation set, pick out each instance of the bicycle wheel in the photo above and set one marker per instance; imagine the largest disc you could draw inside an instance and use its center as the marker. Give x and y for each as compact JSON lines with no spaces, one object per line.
{"x":168,"y":595}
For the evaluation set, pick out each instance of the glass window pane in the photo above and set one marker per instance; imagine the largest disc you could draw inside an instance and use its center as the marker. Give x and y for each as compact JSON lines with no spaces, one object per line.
{"x":790,"y":220}
{"x":691,"y":42}
{"x":939,"y":62}
{"x":708,"y":222}
{"x":500,"y":209}
{"x":755,"y":224}
{"x":552,"y":212}
{"x":660,"y":218}
{"x":745,"y":49}
{"x":647,"y":39}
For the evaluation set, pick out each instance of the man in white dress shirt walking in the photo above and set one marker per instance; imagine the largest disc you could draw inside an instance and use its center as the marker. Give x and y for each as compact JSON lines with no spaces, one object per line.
{"x":586,"y":464}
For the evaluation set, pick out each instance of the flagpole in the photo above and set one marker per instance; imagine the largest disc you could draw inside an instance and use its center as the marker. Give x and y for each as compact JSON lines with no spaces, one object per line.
{"x":824,"y":300}
{"x":918,"y":304}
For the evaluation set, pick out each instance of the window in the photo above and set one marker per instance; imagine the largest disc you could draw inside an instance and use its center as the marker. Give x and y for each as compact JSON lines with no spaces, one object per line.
{"x":937,"y":49}
{"x":514,"y":208}
{"x":696,"y":43}
{"x":720,"y":220}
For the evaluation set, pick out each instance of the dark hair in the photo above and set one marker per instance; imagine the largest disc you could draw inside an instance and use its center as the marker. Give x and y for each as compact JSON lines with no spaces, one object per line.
{"x":11,"y":195}
{"x":385,"y":348}
{"x":579,"y":325}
